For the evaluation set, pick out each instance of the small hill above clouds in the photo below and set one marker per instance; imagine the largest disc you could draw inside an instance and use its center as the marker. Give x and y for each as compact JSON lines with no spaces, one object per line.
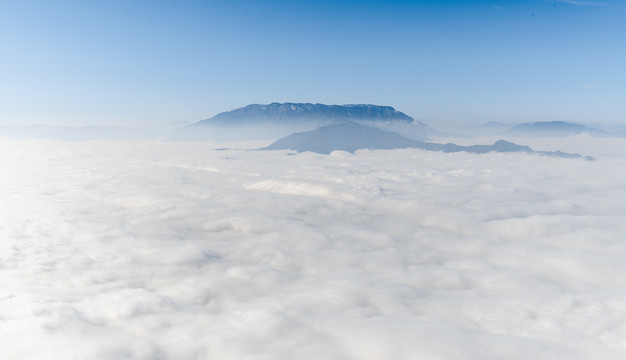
{"x":347,"y":137}
{"x":351,"y":137}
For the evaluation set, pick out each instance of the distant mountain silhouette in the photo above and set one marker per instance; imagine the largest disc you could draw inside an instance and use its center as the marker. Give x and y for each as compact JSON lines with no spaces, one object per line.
{"x":555,"y":128}
{"x":351,"y":137}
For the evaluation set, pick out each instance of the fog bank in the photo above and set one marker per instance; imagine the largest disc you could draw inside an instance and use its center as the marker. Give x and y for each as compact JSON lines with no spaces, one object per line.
{"x":167,"y":250}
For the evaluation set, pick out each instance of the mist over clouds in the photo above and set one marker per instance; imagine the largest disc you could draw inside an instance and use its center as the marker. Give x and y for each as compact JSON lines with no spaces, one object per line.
{"x":165,"y":250}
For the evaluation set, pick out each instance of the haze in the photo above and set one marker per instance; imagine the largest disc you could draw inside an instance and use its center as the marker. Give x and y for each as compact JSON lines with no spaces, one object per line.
{"x":168,"y":250}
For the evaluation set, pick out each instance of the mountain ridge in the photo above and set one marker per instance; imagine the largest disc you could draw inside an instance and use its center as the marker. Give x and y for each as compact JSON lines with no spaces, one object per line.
{"x":555,"y":128}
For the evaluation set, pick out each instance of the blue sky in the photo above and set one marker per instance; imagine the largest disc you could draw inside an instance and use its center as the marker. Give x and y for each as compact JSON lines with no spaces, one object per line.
{"x":137,"y":63}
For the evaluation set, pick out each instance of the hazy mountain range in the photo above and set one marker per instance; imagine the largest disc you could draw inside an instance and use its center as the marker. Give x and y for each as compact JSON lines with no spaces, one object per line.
{"x":549,"y":129}
{"x":339,"y":127}
{"x":351,"y":137}
{"x":307,"y":116}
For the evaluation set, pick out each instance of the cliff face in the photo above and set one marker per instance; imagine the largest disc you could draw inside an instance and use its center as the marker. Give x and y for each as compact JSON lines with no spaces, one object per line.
{"x":293,"y":112}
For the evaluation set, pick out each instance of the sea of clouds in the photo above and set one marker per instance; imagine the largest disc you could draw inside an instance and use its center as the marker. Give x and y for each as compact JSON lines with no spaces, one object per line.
{"x":178,"y":250}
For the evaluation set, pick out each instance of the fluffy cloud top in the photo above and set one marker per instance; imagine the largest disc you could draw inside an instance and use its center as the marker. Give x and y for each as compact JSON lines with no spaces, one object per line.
{"x":157,"y":250}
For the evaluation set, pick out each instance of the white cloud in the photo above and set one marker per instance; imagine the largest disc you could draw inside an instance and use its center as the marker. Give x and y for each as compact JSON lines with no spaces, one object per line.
{"x":581,"y":3}
{"x":157,"y":250}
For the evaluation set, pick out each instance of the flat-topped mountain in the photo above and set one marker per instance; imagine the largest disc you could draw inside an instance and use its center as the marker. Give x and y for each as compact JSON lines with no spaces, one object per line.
{"x":294,"y":112}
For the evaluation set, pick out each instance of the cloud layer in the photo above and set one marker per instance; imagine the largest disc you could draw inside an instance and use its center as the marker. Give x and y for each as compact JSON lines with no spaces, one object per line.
{"x":157,"y":250}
